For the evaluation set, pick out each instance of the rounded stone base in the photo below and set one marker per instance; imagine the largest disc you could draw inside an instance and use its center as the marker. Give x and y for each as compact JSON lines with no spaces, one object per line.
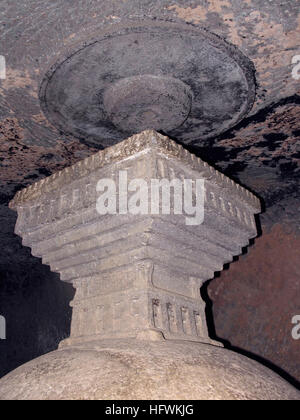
{"x":131,"y":369}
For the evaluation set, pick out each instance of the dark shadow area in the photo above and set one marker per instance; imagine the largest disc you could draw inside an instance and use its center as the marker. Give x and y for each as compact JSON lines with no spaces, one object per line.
{"x":210,"y":316}
{"x":213,"y":335}
{"x":209,"y":155}
{"x":289,"y":378}
{"x":33,"y":301}
{"x":261,"y":115}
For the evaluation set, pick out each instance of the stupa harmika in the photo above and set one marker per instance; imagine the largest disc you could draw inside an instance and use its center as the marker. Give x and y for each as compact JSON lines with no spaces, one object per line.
{"x":135,"y":275}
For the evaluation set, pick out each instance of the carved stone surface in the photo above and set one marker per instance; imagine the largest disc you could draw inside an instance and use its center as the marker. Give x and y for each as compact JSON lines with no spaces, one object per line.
{"x":133,"y":145}
{"x":135,"y":369}
{"x":179,"y":79}
{"x":137,"y":306}
{"x":135,"y":275}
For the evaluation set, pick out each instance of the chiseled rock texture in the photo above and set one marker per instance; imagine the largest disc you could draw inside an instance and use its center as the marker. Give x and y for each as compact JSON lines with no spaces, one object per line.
{"x":132,"y":369}
{"x":136,"y":273}
{"x":266,"y":282}
{"x":151,"y":295}
{"x":262,"y":153}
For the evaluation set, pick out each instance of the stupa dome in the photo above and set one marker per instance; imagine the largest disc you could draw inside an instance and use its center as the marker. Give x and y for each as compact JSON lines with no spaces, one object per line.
{"x":136,"y":369}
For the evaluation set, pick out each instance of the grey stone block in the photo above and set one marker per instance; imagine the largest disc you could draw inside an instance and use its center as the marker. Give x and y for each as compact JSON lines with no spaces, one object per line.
{"x":136,"y":275}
